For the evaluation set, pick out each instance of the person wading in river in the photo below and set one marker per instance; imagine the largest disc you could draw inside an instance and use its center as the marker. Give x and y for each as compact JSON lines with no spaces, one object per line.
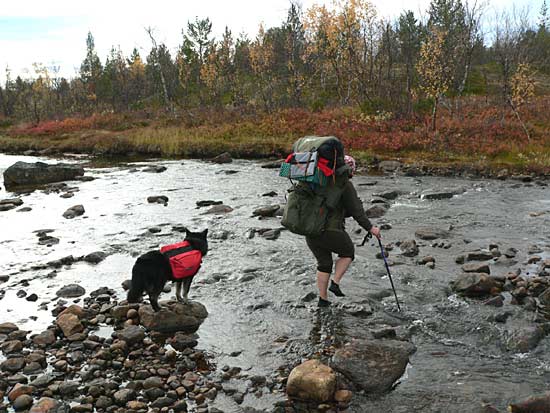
{"x":335,"y":239}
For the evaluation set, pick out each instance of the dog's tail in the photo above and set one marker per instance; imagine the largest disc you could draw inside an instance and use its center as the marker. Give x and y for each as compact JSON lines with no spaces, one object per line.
{"x":137,"y":287}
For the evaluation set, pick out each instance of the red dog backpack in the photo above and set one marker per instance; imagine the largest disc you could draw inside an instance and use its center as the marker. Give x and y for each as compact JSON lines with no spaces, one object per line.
{"x":184,"y":260}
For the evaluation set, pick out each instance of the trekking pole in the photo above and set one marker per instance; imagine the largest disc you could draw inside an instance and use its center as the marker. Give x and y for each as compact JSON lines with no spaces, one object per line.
{"x":369,"y":235}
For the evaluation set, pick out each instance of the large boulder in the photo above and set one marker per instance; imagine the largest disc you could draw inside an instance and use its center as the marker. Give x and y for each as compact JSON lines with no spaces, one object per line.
{"x":173,"y":317}
{"x":38,"y":173}
{"x":373,"y":365}
{"x":312,"y":381}
{"x":475,"y":284}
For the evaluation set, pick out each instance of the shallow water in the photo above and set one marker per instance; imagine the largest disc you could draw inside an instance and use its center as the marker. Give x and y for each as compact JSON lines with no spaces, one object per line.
{"x":261,"y":319}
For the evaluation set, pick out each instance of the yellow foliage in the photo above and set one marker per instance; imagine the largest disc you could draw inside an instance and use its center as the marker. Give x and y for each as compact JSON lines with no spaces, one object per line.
{"x":522,"y":85}
{"x":435,"y":76}
{"x":261,"y":53}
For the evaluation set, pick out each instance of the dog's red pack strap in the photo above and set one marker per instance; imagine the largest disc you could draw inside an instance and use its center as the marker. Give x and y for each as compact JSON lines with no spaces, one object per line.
{"x":184,"y":260}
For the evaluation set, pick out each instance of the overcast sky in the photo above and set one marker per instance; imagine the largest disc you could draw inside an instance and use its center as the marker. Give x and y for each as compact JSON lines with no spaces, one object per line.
{"x":54,"y":32}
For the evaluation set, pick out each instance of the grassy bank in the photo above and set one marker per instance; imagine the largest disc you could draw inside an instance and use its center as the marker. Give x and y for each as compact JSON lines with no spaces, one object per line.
{"x":479,"y":137}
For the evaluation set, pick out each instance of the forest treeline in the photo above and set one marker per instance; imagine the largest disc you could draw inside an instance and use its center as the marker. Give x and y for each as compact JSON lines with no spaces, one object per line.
{"x":317,"y":58}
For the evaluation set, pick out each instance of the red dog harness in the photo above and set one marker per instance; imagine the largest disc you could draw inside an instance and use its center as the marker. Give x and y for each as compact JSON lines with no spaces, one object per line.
{"x":184,"y":260}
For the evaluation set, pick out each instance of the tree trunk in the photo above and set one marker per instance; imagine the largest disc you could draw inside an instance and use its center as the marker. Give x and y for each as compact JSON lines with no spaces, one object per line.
{"x":162,"y":80}
{"x":434,"y":114}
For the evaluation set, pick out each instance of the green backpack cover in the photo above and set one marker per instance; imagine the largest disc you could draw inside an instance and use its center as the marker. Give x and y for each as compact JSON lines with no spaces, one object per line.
{"x":306,"y":211}
{"x":308,"y":207}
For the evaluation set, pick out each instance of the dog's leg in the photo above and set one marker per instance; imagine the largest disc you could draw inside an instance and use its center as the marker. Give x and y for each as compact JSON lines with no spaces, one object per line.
{"x":178,"y":292}
{"x":154,"y":298}
{"x":186,"y":287}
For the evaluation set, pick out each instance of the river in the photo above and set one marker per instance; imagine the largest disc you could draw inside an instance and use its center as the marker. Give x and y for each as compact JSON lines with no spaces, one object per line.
{"x":253,"y":288}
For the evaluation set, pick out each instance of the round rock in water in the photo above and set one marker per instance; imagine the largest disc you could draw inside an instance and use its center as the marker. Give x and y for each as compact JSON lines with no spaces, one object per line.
{"x":312,"y":381}
{"x":173,"y":317}
{"x":71,"y":291}
{"x":373,"y":365}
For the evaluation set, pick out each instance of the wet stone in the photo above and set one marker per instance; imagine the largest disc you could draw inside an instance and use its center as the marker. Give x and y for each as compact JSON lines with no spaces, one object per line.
{"x":429,"y":234}
{"x":157,"y":199}
{"x":409,"y":248}
{"x":13,"y":346}
{"x":376,"y":211}
{"x":524,"y":339}
{"x":510,"y":253}
{"x":46,"y":405}
{"x":123,"y":396}
{"x":95,"y":257}
{"x":272,"y":234}
{"x":13,"y":365}
{"x":152,"y":382}
{"x":6,"y":328}
{"x":206,"y":203}
{"x":71,"y":291}
{"x":155,"y":169}
{"x":435,"y":195}
{"x":479,"y":255}
{"x":497,"y":301}
{"x":475,"y":267}
{"x":534,"y":249}
{"x":131,"y":335}
{"x":162,"y":402}
{"x":181,"y":341}
{"x":373,"y":365}
{"x":18,"y":390}
{"x":74,"y":211}
{"x":389,"y":195}
{"x":475,"y":284}
{"x":222,"y":158}
{"x":154,"y":393}
{"x":23,"y":402}
{"x":219,"y":209}
{"x":69,"y":324}
{"x":32,"y":297}
{"x":312,"y":381}
{"x":174,"y":316}
{"x":266,"y":211}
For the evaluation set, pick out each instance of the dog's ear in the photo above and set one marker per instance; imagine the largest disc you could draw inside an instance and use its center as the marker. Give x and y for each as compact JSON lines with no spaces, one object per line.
{"x":205,"y":232}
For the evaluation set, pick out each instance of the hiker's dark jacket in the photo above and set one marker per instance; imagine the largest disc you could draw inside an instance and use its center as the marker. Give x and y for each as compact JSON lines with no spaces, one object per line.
{"x":349,"y":204}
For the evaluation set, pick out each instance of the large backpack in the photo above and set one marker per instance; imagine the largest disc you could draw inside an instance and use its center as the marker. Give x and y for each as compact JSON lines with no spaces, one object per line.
{"x":313,"y":164}
{"x":314,"y":159}
{"x":185,"y":261}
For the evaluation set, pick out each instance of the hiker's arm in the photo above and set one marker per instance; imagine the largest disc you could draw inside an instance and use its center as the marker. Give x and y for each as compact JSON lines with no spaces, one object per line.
{"x":354,"y":206}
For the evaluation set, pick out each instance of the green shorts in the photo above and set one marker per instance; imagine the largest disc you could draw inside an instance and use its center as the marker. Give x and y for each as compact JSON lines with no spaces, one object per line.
{"x":323,"y":246}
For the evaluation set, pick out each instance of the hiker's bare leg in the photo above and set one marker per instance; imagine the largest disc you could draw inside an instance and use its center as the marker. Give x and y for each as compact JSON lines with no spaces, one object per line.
{"x":322,"y":283}
{"x":342,"y":264}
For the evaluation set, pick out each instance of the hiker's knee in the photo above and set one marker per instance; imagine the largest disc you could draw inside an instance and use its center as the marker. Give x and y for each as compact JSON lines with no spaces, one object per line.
{"x":327,"y":268}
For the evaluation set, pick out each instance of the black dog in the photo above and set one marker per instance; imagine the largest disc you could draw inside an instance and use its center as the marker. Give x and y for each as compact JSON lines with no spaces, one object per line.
{"x":153,"y":269}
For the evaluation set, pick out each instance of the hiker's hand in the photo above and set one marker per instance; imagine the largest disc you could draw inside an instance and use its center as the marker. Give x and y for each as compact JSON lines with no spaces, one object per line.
{"x":376,"y":232}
